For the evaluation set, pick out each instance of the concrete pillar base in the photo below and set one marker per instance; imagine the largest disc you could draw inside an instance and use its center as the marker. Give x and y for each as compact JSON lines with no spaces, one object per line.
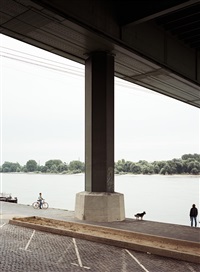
{"x":100,"y":207}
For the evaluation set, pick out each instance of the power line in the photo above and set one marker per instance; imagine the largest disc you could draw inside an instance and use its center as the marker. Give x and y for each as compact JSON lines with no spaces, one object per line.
{"x":44,"y":65}
{"x":39,"y":57}
{"x":51,"y":64}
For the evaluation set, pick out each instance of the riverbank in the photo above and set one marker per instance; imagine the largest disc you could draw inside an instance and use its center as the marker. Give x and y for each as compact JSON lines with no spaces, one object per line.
{"x":164,"y":198}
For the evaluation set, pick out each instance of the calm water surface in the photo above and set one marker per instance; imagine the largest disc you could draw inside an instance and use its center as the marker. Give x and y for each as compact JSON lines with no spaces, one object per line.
{"x":164,"y":198}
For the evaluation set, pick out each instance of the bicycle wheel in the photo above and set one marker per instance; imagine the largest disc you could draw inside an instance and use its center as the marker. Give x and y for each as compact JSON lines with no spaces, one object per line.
{"x":35,"y":205}
{"x":45,"y":205}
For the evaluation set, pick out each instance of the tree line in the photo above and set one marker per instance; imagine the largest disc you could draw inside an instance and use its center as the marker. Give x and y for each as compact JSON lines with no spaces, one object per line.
{"x":51,"y":166}
{"x":187,"y":164}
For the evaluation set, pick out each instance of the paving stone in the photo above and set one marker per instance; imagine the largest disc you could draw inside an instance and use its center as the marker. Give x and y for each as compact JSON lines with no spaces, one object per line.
{"x":27,"y":250}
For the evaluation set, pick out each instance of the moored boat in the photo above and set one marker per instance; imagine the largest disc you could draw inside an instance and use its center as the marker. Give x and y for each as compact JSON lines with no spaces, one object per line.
{"x":8,"y":198}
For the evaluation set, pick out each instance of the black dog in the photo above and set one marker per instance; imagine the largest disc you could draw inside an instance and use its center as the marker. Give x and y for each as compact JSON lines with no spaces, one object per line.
{"x":140,"y":215}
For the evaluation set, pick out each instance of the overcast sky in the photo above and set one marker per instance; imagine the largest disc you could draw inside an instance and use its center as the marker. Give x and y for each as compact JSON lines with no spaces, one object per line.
{"x":42,"y":112}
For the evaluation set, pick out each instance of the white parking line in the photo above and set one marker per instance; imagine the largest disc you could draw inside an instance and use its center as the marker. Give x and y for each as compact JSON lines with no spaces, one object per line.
{"x":27,"y":245}
{"x":137,"y":261}
{"x":2,"y":225}
{"x":78,"y":256}
{"x":77,"y":253}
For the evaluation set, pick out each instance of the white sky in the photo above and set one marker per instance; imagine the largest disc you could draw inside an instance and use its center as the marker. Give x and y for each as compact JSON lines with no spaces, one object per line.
{"x":42,"y":112}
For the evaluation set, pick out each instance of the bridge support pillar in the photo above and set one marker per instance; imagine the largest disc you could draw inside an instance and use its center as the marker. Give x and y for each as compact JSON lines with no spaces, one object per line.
{"x":99,"y":202}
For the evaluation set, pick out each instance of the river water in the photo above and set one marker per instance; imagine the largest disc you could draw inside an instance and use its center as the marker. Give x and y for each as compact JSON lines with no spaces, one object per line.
{"x":164,"y":198}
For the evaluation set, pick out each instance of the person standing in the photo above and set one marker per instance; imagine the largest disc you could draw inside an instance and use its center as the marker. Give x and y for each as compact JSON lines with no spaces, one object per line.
{"x":40,"y":199}
{"x":193,"y":215}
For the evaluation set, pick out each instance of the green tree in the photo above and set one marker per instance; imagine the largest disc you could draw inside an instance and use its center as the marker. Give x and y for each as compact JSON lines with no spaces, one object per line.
{"x":53,"y":169}
{"x":11,"y":167}
{"x":178,"y":164}
{"x":119,"y":166}
{"x":195,"y":156}
{"x":158,"y":165}
{"x":6,"y":169}
{"x":193,"y":165}
{"x":123,"y":166}
{"x":147,"y":169}
{"x":194,"y":171}
{"x":143,"y":162}
{"x":172,"y":167}
{"x":43,"y":169}
{"x":62,"y":167}
{"x":31,"y":165}
{"x":127,"y":166}
{"x":188,"y":164}
{"x":156,"y":168}
{"x":76,"y":166}
{"x":50,"y":163}
{"x":135,"y":168}
{"x":165,"y":170}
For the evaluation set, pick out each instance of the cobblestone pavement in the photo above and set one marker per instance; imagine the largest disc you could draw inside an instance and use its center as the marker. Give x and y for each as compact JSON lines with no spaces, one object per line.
{"x":27,"y":250}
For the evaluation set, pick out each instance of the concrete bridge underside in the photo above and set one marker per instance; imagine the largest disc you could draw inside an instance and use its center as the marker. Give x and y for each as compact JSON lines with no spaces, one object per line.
{"x":155,"y":44}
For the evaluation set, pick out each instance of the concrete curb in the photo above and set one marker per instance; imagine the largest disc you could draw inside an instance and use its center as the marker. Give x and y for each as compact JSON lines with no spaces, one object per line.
{"x":158,"y":245}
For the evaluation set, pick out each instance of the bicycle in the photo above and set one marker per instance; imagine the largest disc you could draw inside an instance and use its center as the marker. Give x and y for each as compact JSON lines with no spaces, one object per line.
{"x":36,"y":205}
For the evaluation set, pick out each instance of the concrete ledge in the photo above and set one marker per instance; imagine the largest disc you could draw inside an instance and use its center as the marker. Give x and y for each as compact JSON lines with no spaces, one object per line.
{"x":100,"y":207}
{"x":162,"y":246}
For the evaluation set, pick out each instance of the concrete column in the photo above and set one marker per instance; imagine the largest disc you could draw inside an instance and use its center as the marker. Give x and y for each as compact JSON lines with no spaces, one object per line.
{"x":99,"y":202}
{"x":99,"y":123}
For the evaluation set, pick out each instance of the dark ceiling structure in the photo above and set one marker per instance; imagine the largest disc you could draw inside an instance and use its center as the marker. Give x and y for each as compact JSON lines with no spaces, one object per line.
{"x":184,"y":24}
{"x":180,"y":18}
{"x":156,"y":44}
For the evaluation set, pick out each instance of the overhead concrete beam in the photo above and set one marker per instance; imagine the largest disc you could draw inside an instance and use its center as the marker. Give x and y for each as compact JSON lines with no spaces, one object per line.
{"x":161,"y":13}
{"x":158,"y":45}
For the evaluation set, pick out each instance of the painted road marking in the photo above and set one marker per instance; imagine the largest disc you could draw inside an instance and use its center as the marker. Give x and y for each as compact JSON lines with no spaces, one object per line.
{"x":137,"y":261}
{"x":3,"y":225}
{"x":78,"y":256}
{"x":27,"y":245}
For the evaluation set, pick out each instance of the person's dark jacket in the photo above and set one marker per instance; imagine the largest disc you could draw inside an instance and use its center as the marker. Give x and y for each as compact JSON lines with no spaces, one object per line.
{"x":193,"y":212}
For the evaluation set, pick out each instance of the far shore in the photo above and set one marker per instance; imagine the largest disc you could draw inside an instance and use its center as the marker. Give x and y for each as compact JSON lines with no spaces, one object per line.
{"x":123,"y":174}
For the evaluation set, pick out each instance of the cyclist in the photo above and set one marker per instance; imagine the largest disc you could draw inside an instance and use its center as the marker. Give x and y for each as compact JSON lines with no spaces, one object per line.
{"x":40,"y":199}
